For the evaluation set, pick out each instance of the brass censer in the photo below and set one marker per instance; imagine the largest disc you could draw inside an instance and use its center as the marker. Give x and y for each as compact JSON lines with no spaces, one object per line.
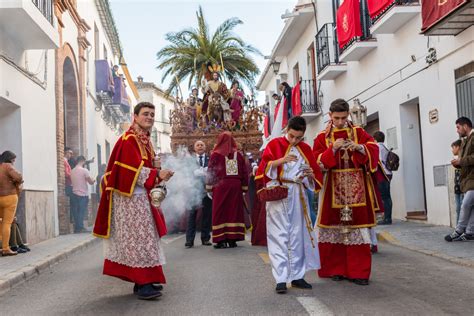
{"x":158,"y":194}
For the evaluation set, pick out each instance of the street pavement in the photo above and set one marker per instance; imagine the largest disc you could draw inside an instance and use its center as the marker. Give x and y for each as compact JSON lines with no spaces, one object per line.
{"x":427,"y":239}
{"x":206,"y":281}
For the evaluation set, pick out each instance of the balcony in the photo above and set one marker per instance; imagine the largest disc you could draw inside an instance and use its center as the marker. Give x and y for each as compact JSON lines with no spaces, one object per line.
{"x":395,"y":16}
{"x":327,"y":53}
{"x":112,"y":97}
{"x":29,"y":23}
{"x":360,"y":46}
{"x":459,"y":18}
{"x":309,"y":99}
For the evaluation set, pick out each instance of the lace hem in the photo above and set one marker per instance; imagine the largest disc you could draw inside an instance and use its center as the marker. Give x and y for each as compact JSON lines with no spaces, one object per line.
{"x":358,"y":236}
{"x":143,"y":176}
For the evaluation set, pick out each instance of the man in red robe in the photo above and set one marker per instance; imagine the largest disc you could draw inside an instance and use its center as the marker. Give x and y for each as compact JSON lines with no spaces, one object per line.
{"x":227,"y":181}
{"x":348,"y":199}
{"x":131,"y":225}
{"x":292,"y":244}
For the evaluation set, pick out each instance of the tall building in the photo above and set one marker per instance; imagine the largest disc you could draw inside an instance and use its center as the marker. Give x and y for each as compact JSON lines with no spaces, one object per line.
{"x":410,"y":64}
{"x":164,"y":104}
{"x":59,"y":87}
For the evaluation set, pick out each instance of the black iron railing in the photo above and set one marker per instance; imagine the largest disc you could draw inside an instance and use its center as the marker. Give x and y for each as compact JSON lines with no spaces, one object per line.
{"x":365,"y":22}
{"x":309,"y":96}
{"x":393,"y":4}
{"x":46,"y":8}
{"x":327,"y":50}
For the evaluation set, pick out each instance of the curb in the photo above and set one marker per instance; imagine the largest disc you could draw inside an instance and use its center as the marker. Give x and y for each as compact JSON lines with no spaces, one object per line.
{"x":13,"y":279}
{"x":389,"y":238}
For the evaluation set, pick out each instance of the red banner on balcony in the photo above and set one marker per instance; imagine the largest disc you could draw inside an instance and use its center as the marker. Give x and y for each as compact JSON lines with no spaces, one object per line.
{"x":297,"y":109}
{"x":348,"y":22}
{"x":378,"y":6}
{"x":432,"y":11}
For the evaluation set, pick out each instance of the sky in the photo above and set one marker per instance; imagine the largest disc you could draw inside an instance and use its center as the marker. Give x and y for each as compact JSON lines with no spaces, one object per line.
{"x":142,"y":25}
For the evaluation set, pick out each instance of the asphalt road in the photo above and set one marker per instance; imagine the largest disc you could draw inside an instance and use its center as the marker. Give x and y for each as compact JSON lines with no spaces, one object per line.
{"x":206,"y":281}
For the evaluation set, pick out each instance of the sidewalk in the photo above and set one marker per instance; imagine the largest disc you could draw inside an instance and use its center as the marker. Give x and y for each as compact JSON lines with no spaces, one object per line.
{"x":17,"y":269}
{"x":427,"y":239}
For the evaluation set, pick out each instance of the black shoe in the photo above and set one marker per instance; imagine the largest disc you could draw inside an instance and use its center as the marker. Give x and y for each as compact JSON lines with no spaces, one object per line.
{"x":281,"y":288}
{"x":360,"y":281}
{"x":374,"y":249}
{"x":301,"y":284}
{"x":14,"y":248}
{"x":452,"y":236}
{"x":157,"y":287}
{"x":206,"y":243}
{"x":21,"y":250}
{"x":338,"y":278}
{"x":25,"y":247}
{"x":220,"y":245}
{"x":189,"y":245}
{"x":384,"y":222}
{"x":147,"y":292}
{"x":232,"y":243}
{"x":464,"y":237}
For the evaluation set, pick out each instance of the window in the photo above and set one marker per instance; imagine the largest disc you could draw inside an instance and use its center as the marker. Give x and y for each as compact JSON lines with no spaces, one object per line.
{"x":107,"y":150}
{"x":96,"y":43}
{"x":163,"y":114}
{"x":465,"y":90}
{"x":311,"y":62}
{"x":105,"y":53}
{"x":99,"y":155}
{"x":154,"y":137}
{"x":296,"y":74}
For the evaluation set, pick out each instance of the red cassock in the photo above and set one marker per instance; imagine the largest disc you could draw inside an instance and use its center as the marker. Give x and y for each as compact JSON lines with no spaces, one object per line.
{"x":349,"y":181}
{"x":228,"y":222}
{"x":123,"y":169}
{"x":259,"y":213}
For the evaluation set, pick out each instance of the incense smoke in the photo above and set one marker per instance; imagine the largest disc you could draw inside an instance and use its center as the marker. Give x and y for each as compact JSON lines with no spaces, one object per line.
{"x":185,"y":190}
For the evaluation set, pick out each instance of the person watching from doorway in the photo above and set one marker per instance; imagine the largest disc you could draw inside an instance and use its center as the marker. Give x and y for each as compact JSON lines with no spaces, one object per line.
{"x":10,"y":190}
{"x":384,"y":177}
{"x":68,"y":154}
{"x":80,"y":177}
{"x":465,"y":162}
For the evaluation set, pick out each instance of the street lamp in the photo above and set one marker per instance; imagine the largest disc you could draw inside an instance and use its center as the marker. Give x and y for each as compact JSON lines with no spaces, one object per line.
{"x":276,"y":67}
{"x":358,"y":114}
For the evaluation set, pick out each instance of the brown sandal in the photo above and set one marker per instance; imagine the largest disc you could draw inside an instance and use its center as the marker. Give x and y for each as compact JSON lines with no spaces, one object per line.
{"x":9,"y":252}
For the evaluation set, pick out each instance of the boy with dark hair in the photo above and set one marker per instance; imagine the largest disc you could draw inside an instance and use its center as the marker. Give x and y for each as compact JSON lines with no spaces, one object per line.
{"x":348,"y":198}
{"x":292,"y":245}
{"x":465,"y":162}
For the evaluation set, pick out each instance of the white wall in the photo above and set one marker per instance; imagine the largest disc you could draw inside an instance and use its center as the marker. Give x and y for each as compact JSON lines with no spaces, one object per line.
{"x":386,"y":78}
{"x":435,"y":88}
{"x":153,"y":96}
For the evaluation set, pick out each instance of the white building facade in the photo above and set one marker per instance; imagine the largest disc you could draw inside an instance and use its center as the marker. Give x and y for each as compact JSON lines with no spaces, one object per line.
{"x":164,"y":104}
{"x":414,"y":87}
{"x":28,"y":39}
{"x":52,"y":95}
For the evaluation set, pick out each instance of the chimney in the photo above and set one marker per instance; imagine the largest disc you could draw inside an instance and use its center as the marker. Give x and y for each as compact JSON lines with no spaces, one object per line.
{"x":140,"y":79}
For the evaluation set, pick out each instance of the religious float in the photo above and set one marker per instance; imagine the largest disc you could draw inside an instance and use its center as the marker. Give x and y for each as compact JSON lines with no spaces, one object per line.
{"x":221,"y":109}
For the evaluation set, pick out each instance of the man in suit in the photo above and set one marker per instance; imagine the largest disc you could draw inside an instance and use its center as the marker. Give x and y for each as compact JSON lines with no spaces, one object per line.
{"x":465,"y":162}
{"x":206,"y":218}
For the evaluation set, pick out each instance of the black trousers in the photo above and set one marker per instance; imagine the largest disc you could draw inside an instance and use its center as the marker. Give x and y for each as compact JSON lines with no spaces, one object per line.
{"x":206,"y":221}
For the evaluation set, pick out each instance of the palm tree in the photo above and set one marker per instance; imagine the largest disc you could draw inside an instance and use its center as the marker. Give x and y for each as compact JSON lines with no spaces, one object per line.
{"x":193,"y":53}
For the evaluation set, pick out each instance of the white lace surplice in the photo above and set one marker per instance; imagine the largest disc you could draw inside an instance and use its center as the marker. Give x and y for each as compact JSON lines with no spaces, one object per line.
{"x":134,"y":239}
